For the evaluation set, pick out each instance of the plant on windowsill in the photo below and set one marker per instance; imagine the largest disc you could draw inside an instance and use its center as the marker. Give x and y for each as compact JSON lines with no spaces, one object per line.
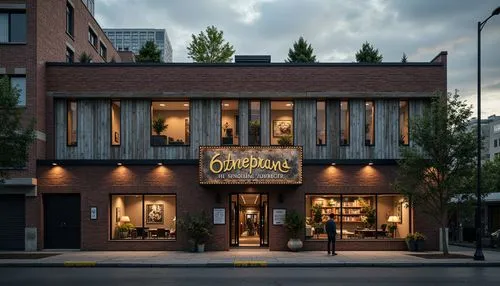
{"x":124,"y":229}
{"x":198,"y":228}
{"x":158,"y":127}
{"x":285,"y":140}
{"x":415,"y":241}
{"x":294,"y":223}
{"x":85,"y":58}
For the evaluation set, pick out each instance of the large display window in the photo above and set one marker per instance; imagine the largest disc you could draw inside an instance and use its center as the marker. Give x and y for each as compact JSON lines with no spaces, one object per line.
{"x":143,"y":217}
{"x":365,"y":216}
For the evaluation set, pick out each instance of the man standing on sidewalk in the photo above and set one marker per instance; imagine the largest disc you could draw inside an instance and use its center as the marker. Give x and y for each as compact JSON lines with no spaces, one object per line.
{"x":331,"y":231}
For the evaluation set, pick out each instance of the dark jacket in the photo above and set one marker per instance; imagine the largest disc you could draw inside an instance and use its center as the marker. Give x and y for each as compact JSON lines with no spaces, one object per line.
{"x":331,"y":228}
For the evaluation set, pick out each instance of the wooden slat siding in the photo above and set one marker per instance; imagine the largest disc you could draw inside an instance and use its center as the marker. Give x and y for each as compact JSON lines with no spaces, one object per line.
{"x":333,"y":131}
{"x":243,"y":105}
{"x":197,"y":124}
{"x":60,"y":128}
{"x":417,"y":107}
{"x":356,"y":148}
{"x":305,"y":127}
{"x":265,"y":125}
{"x":386,"y":129}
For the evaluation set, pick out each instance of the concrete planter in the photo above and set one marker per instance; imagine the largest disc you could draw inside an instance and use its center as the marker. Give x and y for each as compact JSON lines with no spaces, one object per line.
{"x":294,"y":244}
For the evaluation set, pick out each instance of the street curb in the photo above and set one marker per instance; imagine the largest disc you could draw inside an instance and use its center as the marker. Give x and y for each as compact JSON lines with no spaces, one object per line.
{"x":246,"y":264}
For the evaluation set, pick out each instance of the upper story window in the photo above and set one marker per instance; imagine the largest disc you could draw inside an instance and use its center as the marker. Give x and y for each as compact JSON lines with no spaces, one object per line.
{"x":230,"y":122}
{"x":169,"y":123}
{"x":495,"y":143}
{"x":70,"y":19}
{"x":321,"y":122}
{"x":103,"y":50}
{"x":282,"y":123}
{"x":344,"y":123}
{"x":92,"y":38}
{"x":70,"y":55}
{"x":19,"y":83}
{"x":72,"y":122}
{"x":115,"y":122}
{"x":369,"y":123}
{"x":13,"y":27}
{"x":254,"y":137}
{"x":404,"y":112}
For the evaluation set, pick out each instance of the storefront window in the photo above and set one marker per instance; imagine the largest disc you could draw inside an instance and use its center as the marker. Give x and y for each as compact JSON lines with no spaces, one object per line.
{"x":321,"y":122}
{"x":369,"y":123}
{"x":115,"y":122}
{"x":344,"y":122}
{"x":282,"y":123}
{"x":230,"y":122}
{"x":254,"y":123}
{"x":358,"y":216}
{"x":143,"y":217}
{"x":404,"y":112}
{"x":170,"y":123}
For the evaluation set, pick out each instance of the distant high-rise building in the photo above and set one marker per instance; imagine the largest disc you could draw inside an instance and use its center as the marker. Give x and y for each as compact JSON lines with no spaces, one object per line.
{"x":134,"y":39}
{"x":490,"y":130}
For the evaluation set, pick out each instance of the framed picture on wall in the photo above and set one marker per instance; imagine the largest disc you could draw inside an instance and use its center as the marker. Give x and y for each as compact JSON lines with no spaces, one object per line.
{"x":282,"y":128}
{"x":118,"y":214}
{"x":155,"y":213}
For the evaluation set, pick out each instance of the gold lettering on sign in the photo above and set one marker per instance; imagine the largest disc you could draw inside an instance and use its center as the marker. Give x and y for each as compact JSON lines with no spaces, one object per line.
{"x":217,"y":165}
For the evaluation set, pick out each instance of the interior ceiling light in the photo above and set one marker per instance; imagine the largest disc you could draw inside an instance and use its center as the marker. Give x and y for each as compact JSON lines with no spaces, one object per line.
{"x":162,"y":104}
{"x":186,"y":104}
{"x":226,"y":104}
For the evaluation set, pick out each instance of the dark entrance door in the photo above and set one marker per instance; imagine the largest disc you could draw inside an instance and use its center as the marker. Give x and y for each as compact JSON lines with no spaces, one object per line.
{"x":249,"y":220}
{"x":62,"y":221}
{"x":12,"y":222}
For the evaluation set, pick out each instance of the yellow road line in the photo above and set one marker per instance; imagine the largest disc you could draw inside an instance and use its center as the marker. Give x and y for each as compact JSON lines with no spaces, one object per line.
{"x":79,"y":263}
{"x":250,"y":263}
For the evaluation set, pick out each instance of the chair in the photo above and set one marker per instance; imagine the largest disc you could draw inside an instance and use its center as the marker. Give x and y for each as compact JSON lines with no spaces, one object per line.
{"x":160,"y":233}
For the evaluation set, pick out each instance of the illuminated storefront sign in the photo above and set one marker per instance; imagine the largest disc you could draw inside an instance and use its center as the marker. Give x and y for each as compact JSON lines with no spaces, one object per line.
{"x":250,"y":165}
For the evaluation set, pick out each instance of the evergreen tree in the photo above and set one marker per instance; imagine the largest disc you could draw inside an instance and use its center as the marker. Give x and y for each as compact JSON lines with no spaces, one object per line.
{"x":404,"y":59}
{"x":210,"y":47}
{"x":15,"y":139}
{"x":368,"y":54}
{"x":149,"y":53}
{"x":301,"y":53}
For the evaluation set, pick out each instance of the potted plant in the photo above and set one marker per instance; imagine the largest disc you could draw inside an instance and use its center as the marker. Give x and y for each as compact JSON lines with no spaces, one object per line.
{"x":285,"y":140}
{"x":124,"y":229}
{"x":199,"y":229}
{"x":254,"y":126}
{"x":415,"y":241}
{"x":158,"y":127}
{"x":318,"y":220}
{"x":294,"y":224}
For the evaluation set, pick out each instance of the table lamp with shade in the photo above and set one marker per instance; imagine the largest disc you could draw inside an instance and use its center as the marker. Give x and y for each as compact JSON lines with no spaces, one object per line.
{"x":393,"y":219}
{"x":124,"y":219}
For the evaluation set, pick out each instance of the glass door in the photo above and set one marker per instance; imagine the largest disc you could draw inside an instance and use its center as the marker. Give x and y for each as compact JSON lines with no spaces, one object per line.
{"x":234,"y":220}
{"x":264,"y":227}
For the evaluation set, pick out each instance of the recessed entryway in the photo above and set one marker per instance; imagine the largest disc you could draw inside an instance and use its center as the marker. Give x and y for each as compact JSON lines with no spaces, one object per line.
{"x":62,"y":221}
{"x":12,"y":222}
{"x":249,"y":220}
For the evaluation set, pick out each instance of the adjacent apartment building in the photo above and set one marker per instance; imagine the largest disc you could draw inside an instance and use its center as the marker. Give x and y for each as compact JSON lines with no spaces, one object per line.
{"x":134,"y":39}
{"x":125,"y":151}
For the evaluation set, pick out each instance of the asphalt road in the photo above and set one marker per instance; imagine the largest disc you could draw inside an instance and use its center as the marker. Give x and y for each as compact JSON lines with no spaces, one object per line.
{"x":248,"y":276}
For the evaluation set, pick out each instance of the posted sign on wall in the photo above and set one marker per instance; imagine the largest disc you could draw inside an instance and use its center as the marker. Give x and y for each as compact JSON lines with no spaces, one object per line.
{"x":250,"y":165}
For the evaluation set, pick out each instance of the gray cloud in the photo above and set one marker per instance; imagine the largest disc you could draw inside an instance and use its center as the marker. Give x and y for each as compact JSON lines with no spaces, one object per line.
{"x":336,"y":29}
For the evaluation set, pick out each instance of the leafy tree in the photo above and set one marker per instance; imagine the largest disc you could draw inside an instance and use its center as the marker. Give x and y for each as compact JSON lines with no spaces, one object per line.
{"x":368,"y":54}
{"x":404,"y":59}
{"x":441,"y":167}
{"x":301,"y":53}
{"x":210,"y":47}
{"x":491,"y":176}
{"x":15,"y":139}
{"x":149,"y":53}
{"x":85,"y":58}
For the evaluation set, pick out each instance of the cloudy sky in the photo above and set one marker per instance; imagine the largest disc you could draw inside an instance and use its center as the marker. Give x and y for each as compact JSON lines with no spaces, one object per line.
{"x":335,"y":29}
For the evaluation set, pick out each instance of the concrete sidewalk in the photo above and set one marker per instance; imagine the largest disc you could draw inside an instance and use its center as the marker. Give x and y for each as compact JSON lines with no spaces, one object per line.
{"x":250,"y":258}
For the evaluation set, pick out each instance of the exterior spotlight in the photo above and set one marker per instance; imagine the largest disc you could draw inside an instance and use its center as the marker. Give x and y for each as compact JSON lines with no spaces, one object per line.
{"x":119,"y":164}
{"x":333,"y":164}
{"x":159,"y":164}
{"x":370,"y":164}
{"x":54,"y":164}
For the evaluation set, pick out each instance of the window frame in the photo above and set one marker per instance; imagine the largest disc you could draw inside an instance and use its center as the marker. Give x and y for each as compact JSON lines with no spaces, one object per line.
{"x":326,"y":122}
{"x":271,"y":121}
{"x":238,"y":123}
{"x":260,"y":121}
{"x":91,"y":36}
{"x":103,"y":51}
{"x":399,"y":122}
{"x":111,"y":123}
{"x":187,"y":143}
{"x":372,"y":143}
{"x":340,"y":226}
{"x":25,"y":88}
{"x":71,"y":53}
{"x":9,"y":13}
{"x":142,"y":195}
{"x":68,"y":103}
{"x":348,"y":123}
{"x":71,"y":25}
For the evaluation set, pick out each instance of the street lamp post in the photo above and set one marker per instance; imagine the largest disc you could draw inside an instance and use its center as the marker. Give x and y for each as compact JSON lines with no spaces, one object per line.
{"x":478,"y":255}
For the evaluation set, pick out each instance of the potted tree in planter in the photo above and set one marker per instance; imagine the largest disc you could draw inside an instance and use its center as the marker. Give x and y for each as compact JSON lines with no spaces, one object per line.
{"x":415,"y":241}
{"x":285,"y":140}
{"x":124,"y":229}
{"x":294,"y":223}
{"x":158,"y":127}
{"x":318,"y":220}
{"x":254,"y":129}
{"x":199,"y":229}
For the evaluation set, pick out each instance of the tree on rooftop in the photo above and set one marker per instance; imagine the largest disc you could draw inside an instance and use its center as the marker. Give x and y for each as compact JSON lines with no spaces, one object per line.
{"x":368,"y":54}
{"x":404,"y":59}
{"x":440,"y":167}
{"x":210,"y":47}
{"x":149,"y":53}
{"x":301,"y":53}
{"x":15,"y":137}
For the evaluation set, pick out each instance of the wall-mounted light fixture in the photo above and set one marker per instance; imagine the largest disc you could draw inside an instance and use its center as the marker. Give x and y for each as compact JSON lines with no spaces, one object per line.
{"x":370,"y":164}
{"x":333,"y":164}
{"x":54,"y":164}
{"x":159,"y":164}
{"x":119,"y":164}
